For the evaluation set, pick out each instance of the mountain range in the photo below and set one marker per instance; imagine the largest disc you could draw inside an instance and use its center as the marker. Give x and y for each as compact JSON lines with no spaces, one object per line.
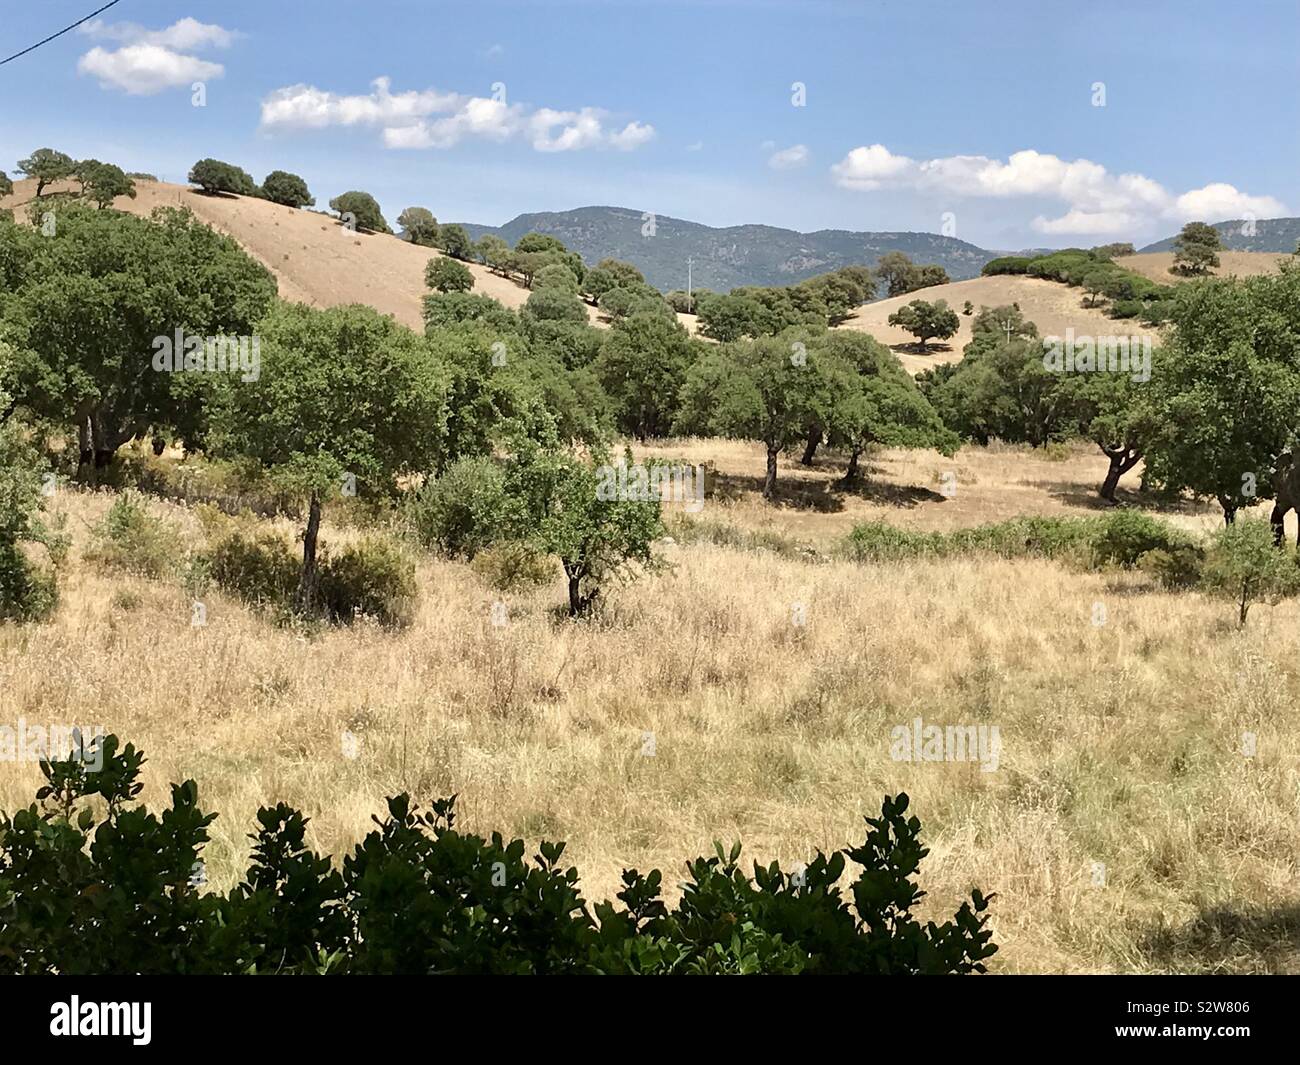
{"x":723,"y":258}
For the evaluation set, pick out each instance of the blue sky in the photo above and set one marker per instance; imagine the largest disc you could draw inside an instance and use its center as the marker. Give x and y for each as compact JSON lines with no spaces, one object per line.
{"x":917,"y":114}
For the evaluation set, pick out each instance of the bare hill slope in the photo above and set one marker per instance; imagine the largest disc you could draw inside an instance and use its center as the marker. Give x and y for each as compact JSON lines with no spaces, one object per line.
{"x":315,"y":260}
{"x":1052,"y":306}
{"x":1156,"y":264}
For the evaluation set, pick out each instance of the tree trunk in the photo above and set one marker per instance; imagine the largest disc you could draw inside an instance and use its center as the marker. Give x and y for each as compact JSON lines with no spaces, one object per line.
{"x":309,"y":579}
{"x":1121,"y":461}
{"x":769,"y":482}
{"x":810,"y":450}
{"x":1245,"y":606}
{"x":575,"y":595}
{"x":85,"y":448}
{"x":1229,"y":506}
{"x":851,"y":472}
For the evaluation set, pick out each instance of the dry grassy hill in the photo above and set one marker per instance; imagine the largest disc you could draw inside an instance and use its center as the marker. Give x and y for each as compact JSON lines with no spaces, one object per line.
{"x":1053,"y":307}
{"x":315,"y":260}
{"x":1156,"y":264}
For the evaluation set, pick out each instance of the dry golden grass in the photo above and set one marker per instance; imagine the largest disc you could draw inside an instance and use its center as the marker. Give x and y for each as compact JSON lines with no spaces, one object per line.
{"x":1052,"y":306}
{"x":1120,"y":744}
{"x":1155,"y":265}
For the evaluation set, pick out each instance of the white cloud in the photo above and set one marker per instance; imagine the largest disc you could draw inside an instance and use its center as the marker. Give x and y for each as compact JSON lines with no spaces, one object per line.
{"x":1097,"y":201}
{"x":407,"y":119}
{"x":632,"y":136}
{"x":865,"y":169}
{"x":788,"y":158}
{"x":144,"y":69}
{"x":153,"y":60}
{"x":187,"y":34}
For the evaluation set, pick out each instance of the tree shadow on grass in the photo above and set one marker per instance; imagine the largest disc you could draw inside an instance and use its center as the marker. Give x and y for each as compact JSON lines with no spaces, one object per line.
{"x":1087,"y":498}
{"x":1228,"y":940}
{"x":913,"y":348}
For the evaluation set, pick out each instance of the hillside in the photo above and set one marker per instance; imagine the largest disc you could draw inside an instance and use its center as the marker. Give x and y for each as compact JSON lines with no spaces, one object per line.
{"x":1053,"y":307}
{"x":1271,"y":234}
{"x":736,"y":255}
{"x":1155,"y":265}
{"x":315,"y":261}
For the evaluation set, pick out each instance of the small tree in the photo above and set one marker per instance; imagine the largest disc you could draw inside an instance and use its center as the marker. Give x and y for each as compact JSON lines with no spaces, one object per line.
{"x":556,"y":276}
{"x":1094,"y":284}
{"x":1243,"y":565}
{"x":1196,"y":249}
{"x":102,"y":183}
{"x":770,"y":390}
{"x":46,"y":166}
{"x":214,"y":176}
{"x":419,"y":226}
{"x":927,"y":321}
{"x":6,"y":186}
{"x":287,"y":189}
{"x":447,"y":275}
{"x":574,"y":516}
{"x":363,"y":209}
{"x":346,"y":398}
{"x":455,"y":242}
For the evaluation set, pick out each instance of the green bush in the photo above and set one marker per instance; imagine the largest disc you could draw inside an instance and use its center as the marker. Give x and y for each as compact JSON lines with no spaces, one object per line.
{"x":1006,"y":264}
{"x":513,"y":565}
{"x":1178,"y":568}
{"x":374,"y":579}
{"x":464,"y":510}
{"x":1245,"y":566}
{"x":28,"y":592}
{"x":134,"y":540}
{"x":1122,"y":538}
{"x":419,"y":896}
{"x":1059,"y":538}
{"x":259,"y":567}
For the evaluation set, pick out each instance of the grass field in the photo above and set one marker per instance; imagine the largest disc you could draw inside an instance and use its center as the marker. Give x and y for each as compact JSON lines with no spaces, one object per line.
{"x":695,"y":708}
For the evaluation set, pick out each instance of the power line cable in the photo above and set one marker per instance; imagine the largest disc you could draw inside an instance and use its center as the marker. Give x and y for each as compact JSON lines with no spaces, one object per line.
{"x":52,"y":36}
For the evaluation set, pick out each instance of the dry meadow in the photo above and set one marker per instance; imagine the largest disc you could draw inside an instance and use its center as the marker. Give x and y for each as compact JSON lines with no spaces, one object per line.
{"x":1125,"y":826}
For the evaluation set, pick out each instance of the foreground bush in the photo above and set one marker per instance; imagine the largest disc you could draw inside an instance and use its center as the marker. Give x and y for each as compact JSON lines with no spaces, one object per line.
{"x":133,"y":540}
{"x":91,"y":883}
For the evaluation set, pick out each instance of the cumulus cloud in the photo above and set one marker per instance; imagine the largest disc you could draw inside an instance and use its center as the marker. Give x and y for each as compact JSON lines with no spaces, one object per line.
{"x":150,"y":61}
{"x":433,"y":119}
{"x":788,"y":158}
{"x":1097,"y":201}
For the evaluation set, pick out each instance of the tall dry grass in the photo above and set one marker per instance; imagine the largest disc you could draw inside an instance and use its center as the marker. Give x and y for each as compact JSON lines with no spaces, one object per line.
{"x":696,"y":709}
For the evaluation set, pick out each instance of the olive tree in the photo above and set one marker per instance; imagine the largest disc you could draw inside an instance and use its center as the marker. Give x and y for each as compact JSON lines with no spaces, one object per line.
{"x":47,"y":165}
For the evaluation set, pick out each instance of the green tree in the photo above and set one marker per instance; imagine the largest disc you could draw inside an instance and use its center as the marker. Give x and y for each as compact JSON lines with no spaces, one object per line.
{"x":1114,"y":414}
{"x":642,"y":367}
{"x":556,"y":276}
{"x":1094,"y":284}
{"x":287,"y":189}
{"x":362,"y":210}
{"x":102,"y":183}
{"x":1225,"y":392}
{"x":494,"y":253}
{"x":926,"y":321}
{"x":1196,"y":249}
{"x":1244,"y":565}
{"x":573,"y":514}
{"x":454,"y":241}
{"x":419,"y":226}
{"x":447,"y":275}
{"x":554,"y":304}
{"x":47,"y":166}
{"x":769,"y":390}
{"x":895,"y":270}
{"x":88,"y":308}
{"x":875,"y":402}
{"x":6,"y":186}
{"x":213,"y":176}
{"x":346,"y":397}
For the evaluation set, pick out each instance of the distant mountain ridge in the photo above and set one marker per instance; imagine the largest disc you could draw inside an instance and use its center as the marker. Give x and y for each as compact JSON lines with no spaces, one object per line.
{"x":1270,"y":235}
{"x":724,"y":258}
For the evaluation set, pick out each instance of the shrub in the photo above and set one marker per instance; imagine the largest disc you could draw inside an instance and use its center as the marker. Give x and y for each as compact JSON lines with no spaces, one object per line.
{"x":1243,"y":565}
{"x":1006,"y":264}
{"x":452,"y":308}
{"x":260,"y":567}
{"x":513,"y":565}
{"x":374,"y":579}
{"x":133,"y":539}
{"x":463,"y":511}
{"x":1124,"y":537}
{"x":419,"y":896}
{"x":28,"y":592}
{"x":1177,"y":568}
